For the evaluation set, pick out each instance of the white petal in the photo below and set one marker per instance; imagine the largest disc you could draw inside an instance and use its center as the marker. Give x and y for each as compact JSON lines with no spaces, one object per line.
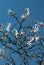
{"x":36,"y":38}
{"x":11,"y":12}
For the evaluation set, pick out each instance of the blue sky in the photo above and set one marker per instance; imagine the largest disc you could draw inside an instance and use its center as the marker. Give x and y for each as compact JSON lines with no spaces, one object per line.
{"x":36,"y":9}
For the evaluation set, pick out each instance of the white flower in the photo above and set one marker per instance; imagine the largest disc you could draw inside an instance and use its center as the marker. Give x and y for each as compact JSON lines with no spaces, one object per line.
{"x":15,"y":32}
{"x":11,"y":12}
{"x":8,"y":27}
{"x":27,"y":11}
{"x":25,"y":15}
{"x":35,"y":29}
{"x":36,"y":23}
{"x":31,"y":40}
{"x":41,"y":23}
{"x":36,"y":38}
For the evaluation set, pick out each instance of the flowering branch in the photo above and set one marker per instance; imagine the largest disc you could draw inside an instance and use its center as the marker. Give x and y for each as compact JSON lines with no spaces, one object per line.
{"x":26,"y":42}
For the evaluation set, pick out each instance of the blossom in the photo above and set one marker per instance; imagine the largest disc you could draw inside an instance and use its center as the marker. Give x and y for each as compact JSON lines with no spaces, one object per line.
{"x":41,"y":23}
{"x":8,"y":27}
{"x":35,"y":29}
{"x":36,"y":38}
{"x":15,"y":32}
{"x":26,"y":14}
{"x":36,"y":23}
{"x":31,"y":40}
{"x":11,"y":12}
{"x":27,"y":11}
